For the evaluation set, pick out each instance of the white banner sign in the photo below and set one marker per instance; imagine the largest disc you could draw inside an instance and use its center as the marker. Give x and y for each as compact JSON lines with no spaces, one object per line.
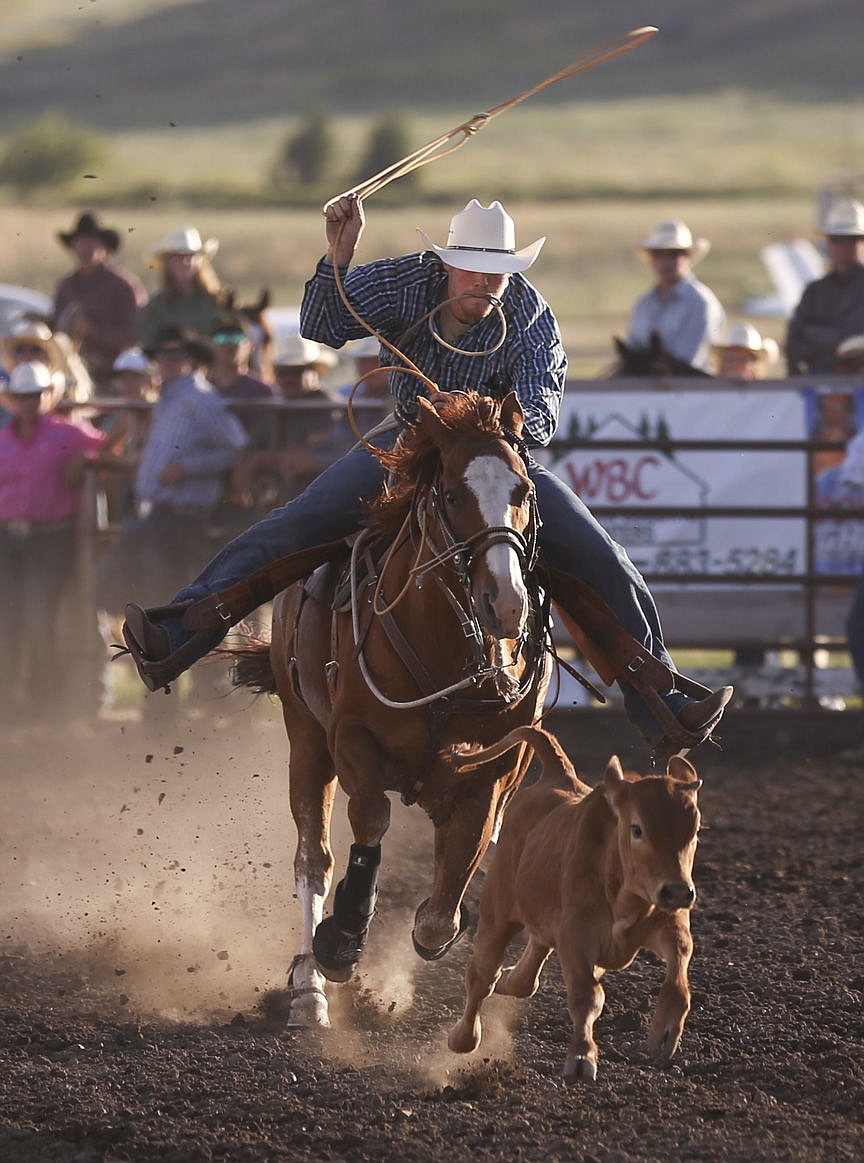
{"x":696,"y":480}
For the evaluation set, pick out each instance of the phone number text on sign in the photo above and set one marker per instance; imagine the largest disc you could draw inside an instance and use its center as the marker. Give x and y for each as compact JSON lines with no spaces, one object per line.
{"x":751,"y":560}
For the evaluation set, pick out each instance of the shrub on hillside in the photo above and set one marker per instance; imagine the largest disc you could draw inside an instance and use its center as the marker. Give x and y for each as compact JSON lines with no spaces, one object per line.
{"x":305,"y":156}
{"x":389,"y":141}
{"x":49,"y":152}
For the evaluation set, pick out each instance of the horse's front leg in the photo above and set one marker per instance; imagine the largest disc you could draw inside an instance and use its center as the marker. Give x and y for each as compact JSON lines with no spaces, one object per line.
{"x":340,"y":940}
{"x":312,"y":790}
{"x":461,"y":840}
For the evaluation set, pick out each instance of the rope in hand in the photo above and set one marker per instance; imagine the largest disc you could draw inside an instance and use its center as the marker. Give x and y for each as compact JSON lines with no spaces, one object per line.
{"x":439,"y":148}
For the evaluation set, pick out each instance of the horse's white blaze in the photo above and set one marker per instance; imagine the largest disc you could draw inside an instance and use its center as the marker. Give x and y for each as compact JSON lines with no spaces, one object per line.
{"x":492,"y":484}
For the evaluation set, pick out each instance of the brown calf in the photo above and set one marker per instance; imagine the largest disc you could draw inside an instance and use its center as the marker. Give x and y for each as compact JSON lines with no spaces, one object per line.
{"x":596,"y":875}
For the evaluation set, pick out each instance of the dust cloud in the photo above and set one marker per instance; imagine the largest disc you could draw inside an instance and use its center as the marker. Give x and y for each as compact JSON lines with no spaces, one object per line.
{"x":158,"y":862}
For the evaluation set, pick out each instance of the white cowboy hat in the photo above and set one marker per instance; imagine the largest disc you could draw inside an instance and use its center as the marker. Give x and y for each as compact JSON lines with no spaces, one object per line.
{"x":296,"y":351}
{"x":845,"y":217}
{"x":746,"y":336}
{"x":483,"y":238}
{"x":29,"y":378}
{"x":364,"y":348}
{"x":185,"y":240}
{"x":673,"y":235}
{"x":132,"y":359}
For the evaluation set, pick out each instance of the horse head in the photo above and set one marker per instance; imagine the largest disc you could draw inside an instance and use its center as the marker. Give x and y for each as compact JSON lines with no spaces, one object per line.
{"x":484,"y":504}
{"x":653,"y":360}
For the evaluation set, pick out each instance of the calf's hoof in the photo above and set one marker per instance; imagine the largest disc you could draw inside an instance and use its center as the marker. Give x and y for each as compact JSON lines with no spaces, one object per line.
{"x":580,"y":1070}
{"x":662,"y":1044}
{"x":464,"y":1037}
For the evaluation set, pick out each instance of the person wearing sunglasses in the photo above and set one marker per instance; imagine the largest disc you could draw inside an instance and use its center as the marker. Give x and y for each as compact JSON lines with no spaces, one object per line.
{"x":831,"y":309}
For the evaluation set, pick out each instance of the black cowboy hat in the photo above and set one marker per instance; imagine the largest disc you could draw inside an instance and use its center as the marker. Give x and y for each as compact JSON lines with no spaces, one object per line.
{"x":196,"y":347}
{"x":88,"y":224}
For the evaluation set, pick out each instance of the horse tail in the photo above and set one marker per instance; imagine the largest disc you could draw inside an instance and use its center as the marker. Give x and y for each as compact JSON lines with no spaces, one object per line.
{"x":252,"y":668}
{"x":556,"y":765}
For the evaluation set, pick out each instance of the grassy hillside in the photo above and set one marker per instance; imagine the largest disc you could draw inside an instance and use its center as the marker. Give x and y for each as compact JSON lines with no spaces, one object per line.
{"x":121,"y":64}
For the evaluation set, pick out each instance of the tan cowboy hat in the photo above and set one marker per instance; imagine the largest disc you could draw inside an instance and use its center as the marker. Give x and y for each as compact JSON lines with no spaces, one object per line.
{"x":845,"y":217}
{"x":296,"y":351}
{"x":483,"y":238}
{"x":185,"y":240}
{"x":746,"y":336}
{"x":673,"y":235}
{"x":25,"y":330}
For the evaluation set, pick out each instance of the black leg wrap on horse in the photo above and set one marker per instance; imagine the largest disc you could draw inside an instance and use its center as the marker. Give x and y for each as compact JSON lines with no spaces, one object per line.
{"x":339,"y":940}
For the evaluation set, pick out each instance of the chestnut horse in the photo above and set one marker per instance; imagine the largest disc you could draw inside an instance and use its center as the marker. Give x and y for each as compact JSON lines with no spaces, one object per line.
{"x":443,"y":642}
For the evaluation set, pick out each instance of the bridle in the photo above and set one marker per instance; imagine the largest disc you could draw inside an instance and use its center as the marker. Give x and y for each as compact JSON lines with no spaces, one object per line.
{"x":436,"y":547}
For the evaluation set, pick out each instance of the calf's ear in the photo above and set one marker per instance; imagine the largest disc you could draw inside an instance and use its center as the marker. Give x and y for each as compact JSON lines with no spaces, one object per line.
{"x":682,"y":769}
{"x":614,"y":784}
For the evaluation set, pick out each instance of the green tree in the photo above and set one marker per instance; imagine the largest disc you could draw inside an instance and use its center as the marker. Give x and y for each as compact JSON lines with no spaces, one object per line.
{"x":389,"y":141}
{"x":305,"y":155}
{"x":49,"y":152}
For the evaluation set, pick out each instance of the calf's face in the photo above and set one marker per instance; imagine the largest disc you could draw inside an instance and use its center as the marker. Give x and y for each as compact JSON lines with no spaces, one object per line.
{"x":658,"y":824}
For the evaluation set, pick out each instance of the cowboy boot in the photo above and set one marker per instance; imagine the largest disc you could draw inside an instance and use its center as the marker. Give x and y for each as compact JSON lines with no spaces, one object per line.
{"x":695,"y":722}
{"x":149,"y":644}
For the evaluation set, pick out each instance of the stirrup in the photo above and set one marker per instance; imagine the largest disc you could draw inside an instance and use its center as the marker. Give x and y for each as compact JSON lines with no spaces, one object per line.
{"x":679,"y":740}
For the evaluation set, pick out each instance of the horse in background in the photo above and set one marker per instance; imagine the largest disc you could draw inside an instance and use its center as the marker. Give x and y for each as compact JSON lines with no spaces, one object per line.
{"x":260,"y":331}
{"x":442,"y":640}
{"x":653,"y":360}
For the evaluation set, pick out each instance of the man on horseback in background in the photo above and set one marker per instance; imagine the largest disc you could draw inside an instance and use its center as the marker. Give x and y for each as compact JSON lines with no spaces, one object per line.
{"x":466,"y":315}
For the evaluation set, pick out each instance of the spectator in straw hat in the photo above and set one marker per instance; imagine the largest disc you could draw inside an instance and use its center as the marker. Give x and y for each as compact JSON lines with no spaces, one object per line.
{"x":30,"y":339}
{"x":492,"y":332}
{"x":190,"y":294}
{"x":744,"y":354}
{"x":831,"y":309}
{"x":682,"y":311}
{"x":98,"y":303}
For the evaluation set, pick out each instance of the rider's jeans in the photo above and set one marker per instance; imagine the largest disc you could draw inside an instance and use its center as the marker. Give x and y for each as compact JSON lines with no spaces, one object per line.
{"x":331,"y":508}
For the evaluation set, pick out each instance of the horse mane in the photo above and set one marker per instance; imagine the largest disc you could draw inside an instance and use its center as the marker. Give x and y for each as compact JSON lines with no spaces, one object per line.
{"x":413,"y":459}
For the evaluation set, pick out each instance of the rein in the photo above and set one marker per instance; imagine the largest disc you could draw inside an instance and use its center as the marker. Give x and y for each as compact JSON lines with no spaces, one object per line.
{"x":461,"y":554}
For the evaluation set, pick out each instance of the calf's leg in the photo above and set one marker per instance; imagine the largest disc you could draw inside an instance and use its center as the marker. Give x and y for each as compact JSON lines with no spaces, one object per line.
{"x":585,"y":998}
{"x":675,"y":945}
{"x":523,"y":978}
{"x":490,"y":944}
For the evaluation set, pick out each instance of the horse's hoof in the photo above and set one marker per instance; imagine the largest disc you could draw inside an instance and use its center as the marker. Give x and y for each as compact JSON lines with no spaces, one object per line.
{"x":303,"y":1003}
{"x":437,"y":954}
{"x":337,"y":952}
{"x":580,"y":1070}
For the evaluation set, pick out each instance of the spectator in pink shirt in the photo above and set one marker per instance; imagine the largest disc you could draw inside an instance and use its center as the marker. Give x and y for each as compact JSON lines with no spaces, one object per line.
{"x":42,"y":460}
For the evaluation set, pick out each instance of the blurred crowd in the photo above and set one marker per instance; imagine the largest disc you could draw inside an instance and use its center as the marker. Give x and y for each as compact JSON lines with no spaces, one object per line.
{"x":180,"y":416}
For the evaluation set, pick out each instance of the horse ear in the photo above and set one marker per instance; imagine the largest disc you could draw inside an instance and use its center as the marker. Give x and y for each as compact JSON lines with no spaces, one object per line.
{"x":431,"y":423}
{"x":263,"y":299}
{"x":620,"y":346}
{"x":512,"y":415}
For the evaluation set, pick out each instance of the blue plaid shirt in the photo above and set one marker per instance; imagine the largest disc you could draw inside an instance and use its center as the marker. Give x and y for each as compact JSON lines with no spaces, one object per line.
{"x":392,"y":294}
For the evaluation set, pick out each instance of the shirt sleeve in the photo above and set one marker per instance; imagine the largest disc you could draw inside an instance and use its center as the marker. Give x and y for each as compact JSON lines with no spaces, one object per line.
{"x":539,"y":375}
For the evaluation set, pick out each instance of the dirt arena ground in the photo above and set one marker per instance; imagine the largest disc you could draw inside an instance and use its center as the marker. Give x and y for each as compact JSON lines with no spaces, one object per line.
{"x":147,"y":910}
